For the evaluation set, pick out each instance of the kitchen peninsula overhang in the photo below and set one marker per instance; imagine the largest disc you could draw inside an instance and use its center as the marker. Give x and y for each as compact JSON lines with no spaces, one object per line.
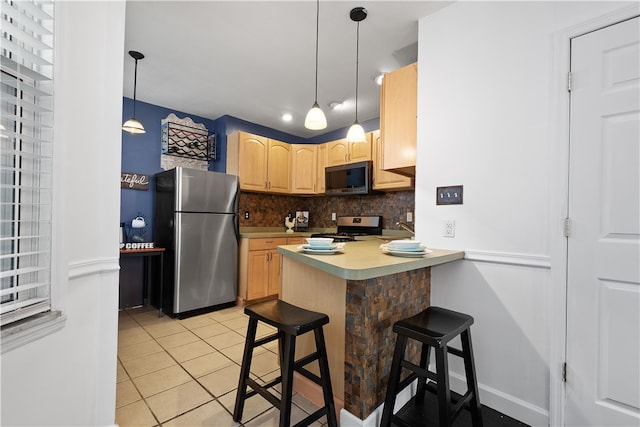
{"x":363,"y":260}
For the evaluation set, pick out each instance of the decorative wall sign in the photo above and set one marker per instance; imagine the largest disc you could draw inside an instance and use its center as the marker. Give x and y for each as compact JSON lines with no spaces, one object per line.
{"x":184,"y":138}
{"x":134,"y":181}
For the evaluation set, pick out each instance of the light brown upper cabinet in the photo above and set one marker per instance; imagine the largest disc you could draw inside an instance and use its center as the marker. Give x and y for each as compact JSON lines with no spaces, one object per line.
{"x":278,"y":167}
{"x":398,"y":119}
{"x":304,"y":161}
{"x":262,"y":164}
{"x":323,"y":162}
{"x":342,"y":151}
{"x":382,"y":179}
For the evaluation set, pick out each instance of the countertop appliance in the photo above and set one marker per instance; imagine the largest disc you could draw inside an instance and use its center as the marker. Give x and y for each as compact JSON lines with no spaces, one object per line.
{"x":350,"y":227}
{"x":196,"y":220}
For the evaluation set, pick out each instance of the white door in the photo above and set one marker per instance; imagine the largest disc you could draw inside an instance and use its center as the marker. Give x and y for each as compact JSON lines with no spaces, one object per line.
{"x":603,"y":294}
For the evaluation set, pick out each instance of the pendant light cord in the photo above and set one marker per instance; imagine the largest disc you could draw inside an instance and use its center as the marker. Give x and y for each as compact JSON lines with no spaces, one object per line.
{"x":317,"y":36}
{"x":135,"y":83}
{"x":357,"y":61}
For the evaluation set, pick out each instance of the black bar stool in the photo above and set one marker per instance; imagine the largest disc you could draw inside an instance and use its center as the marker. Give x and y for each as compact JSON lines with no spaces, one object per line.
{"x":290,"y":321}
{"x":433,"y":327}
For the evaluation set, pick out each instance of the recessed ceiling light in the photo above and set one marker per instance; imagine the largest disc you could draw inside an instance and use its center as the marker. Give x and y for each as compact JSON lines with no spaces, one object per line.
{"x":378,"y":78}
{"x":286,"y":117}
{"x":336,"y":105}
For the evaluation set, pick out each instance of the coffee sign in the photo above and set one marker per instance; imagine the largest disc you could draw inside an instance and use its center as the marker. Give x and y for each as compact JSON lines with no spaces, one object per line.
{"x":134,"y":181}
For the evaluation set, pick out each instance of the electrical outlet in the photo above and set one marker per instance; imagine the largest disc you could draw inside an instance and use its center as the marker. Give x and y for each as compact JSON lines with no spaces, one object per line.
{"x":449,"y":228}
{"x":246,"y":214}
{"x":409,"y":217}
{"x":333,"y":216}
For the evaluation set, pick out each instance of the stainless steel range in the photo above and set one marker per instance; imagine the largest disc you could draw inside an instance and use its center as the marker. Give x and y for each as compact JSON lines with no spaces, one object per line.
{"x":349,"y":227}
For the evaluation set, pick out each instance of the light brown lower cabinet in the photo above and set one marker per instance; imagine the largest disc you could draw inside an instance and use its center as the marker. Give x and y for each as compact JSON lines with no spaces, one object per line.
{"x":259,"y":267}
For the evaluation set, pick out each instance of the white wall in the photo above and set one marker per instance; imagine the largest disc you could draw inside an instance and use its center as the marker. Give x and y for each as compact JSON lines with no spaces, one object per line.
{"x":69,"y":377}
{"x":488,"y":91}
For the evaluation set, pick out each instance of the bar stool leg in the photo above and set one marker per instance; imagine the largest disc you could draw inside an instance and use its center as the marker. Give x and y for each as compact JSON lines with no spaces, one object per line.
{"x":394,"y":380}
{"x":444,"y":395}
{"x":287,"y":379}
{"x":245,"y":369}
{"x":472,"y":382}
{"x":327,"y":390}
{"x":424,"y":364}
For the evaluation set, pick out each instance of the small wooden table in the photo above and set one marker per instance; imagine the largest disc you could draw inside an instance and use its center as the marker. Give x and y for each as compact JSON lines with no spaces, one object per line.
{"x":145,"y":254}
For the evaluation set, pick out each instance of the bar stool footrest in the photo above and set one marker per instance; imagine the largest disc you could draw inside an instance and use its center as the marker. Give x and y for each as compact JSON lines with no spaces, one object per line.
{"x":262,"y":391}
{"x":311,"y":418}
{"x":457,"y":400}
{"x":415,"y":411}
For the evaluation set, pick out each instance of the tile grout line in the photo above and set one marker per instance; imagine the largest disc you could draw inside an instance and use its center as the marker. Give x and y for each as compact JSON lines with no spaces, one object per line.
{"x":144,"y":400}
{"x":200,"y":339}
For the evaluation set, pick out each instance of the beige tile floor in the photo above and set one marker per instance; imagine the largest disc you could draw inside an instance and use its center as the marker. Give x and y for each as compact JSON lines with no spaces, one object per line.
{"x":175,"y":372}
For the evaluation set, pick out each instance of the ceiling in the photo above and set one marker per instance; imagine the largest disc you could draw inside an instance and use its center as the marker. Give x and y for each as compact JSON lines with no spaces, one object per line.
{"x":255,"y":60}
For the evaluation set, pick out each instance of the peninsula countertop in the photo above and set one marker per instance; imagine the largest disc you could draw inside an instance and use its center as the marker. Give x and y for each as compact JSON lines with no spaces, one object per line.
{"x":361,"y":260}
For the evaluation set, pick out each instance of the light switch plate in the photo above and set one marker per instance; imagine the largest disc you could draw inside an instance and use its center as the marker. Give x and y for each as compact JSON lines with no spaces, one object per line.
{"x":451,"y":195}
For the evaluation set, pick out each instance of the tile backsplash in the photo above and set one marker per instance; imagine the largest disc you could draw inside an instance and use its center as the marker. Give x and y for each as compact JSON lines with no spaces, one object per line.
{"x":269,"y":210}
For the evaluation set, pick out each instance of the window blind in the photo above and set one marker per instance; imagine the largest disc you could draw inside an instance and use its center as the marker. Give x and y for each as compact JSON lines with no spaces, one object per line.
{"x":26,"y":141}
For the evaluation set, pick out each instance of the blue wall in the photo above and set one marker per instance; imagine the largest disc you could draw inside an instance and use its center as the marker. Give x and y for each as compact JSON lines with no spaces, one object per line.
{"x":141,"y":153}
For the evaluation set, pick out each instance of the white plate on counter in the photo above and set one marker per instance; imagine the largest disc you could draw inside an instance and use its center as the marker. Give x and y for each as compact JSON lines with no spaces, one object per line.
{"x":404,"y":253}
{"x":338,"y":247}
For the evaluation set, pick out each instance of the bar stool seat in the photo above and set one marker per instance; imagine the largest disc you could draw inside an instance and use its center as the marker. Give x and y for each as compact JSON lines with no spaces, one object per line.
{"x":434,"y":328}
{"x":290,"y":322}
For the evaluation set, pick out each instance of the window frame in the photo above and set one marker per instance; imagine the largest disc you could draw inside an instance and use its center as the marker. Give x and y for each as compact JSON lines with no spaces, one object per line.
{"x":27,"y":53}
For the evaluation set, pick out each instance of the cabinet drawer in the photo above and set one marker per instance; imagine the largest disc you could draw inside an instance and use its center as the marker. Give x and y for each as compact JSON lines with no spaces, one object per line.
{"x":296,"y":240}
{"x":266,"y":243}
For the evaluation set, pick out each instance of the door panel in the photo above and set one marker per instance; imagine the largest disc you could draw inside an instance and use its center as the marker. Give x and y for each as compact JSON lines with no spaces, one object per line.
{"x":603,"y":279}
{"x":206,"y":261}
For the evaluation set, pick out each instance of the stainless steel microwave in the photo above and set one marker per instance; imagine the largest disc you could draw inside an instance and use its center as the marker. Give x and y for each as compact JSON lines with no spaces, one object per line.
{"x":350,"y":179}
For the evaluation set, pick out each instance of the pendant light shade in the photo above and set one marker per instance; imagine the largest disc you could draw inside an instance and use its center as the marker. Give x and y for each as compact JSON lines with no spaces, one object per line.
{"x":133,"y":125}
{"x":316,"y":119}
{"x":356,"y":132}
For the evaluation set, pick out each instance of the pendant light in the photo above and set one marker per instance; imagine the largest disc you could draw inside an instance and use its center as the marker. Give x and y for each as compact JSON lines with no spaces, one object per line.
{"x":133,"y":125}
{"x":315,"y":119}
{"x":356,"y":132}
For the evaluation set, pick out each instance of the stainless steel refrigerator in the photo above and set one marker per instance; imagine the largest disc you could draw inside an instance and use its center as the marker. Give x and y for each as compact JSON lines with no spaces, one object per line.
{"x":196,"y":220}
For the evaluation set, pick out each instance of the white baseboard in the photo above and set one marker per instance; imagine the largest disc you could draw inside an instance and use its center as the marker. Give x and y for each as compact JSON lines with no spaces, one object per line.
{"x":347,"y":419}
{"x":495,"y":399}
{"x":509,"y":405}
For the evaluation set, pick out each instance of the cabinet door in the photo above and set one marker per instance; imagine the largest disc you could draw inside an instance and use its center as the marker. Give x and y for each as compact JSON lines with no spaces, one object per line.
{"x":258,"y":274}
{"x":253,"y":162}
{"x":382,"y":179}
{"x":338,"y":153}
{"x":303,"y":168}
{"x":360,"y":151}
{"x":398,"y":119}
{"x":341,"y":151}
{"x":274,"y":273}
{"x":323,"y":162}
{"x":278,"y":167}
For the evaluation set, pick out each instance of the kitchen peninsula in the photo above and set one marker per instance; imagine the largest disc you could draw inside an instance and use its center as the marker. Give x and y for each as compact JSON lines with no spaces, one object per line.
{"x":363,"y":291}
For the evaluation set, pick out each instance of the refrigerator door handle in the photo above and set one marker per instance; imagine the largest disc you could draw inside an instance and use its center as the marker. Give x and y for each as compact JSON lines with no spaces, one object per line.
{"x":236,"y":225}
